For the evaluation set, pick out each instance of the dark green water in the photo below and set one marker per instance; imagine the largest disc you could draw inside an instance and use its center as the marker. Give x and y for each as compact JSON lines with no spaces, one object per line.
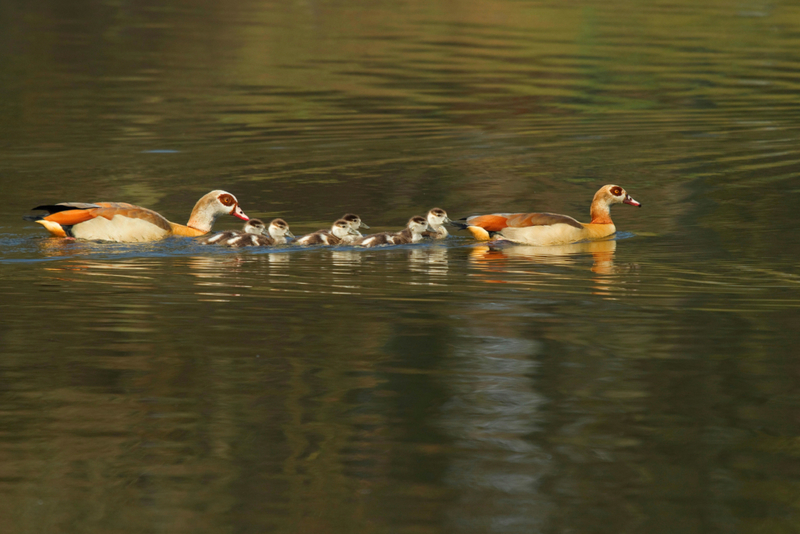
{"x":646,"y":384}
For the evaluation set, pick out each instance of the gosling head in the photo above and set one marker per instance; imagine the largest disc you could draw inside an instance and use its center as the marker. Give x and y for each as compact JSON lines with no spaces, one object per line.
{"x":342,"y":228}
{"x":417,"y":224}
{"x":279,"y":228}
{"x":354,"y":220}
{"x":255,"y":226}
{"x":437,"y":217}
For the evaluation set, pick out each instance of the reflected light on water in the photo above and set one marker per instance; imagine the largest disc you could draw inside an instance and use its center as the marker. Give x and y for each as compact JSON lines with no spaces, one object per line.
{"x":642,"y":385}
{"x":134,"y":274}
{"x":432,"y":260}
{"x":509,"y":258}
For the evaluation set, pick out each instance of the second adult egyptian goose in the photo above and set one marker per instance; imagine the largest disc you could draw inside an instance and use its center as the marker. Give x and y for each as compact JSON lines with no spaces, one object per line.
{"x":550,"y":228}
{"x":123,"y":222}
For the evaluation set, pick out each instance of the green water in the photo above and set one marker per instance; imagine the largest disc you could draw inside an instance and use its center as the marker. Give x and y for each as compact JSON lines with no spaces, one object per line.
{"x":644,"y":384}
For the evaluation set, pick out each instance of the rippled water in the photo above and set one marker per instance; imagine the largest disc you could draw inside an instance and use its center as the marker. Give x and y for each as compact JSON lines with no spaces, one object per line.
{"x":646,"y":383}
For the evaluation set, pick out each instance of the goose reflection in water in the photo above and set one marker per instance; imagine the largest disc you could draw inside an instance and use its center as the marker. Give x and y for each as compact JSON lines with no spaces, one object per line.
{"x":56,"y":247}
{"x":602,"y":253}
{"x":232,"y":275}
{"x":136,"y":273}
{"x":503,"y":259}
{"x":220,"y":266}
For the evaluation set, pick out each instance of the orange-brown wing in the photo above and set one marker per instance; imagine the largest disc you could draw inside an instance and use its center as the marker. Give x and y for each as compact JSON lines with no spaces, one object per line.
{"x":70,"y":217}
{"x":519,"y":220}
{"x":497,"y":221}
{"x":69,"y":214}
{"x":132,"y":212}
{"x":491,"y":223}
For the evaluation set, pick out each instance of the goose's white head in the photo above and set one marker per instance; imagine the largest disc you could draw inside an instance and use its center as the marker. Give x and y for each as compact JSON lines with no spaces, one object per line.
{"x":279,"y":228}
{"x":211,"y":206}
{"x":614,"y":194}
{"x":342,"y":228}
{"x":437,"y":217}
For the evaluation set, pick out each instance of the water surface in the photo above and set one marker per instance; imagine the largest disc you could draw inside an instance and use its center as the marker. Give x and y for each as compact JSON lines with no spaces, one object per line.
{"x":646,"y":383}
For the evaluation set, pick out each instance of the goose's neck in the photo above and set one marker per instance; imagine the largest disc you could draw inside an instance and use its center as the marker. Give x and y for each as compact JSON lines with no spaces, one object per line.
{"x":414,"y":234}
{"x":203,"y":216}
{"x":600,"y":212}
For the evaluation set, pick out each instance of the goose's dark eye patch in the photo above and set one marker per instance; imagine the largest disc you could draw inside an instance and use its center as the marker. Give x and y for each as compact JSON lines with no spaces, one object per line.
{"x":616,"y":191}
{"x":227,"y":200}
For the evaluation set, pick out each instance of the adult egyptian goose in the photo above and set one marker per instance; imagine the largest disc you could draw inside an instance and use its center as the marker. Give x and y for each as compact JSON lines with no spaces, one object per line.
{"x":277,"y":232}
{"x":550,"y":228}
{"x":437,"y":218}
{"x":412,"y":233}
{"x":123,"y":222}
{"x":334,"y":236}
{"x":254,"y":227}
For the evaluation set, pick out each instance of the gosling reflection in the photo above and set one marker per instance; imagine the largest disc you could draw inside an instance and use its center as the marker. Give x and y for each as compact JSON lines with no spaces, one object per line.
{"x":278,"y":259}
{"x":345,"y":266}
{"x":429,"y":260}
{"x":345,"y":258}
{"x":216,"y":267}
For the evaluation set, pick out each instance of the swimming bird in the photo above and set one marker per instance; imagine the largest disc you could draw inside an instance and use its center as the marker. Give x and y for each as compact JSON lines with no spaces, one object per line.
{"x":551,"y":228}
{"x":277,"y":232}
{"x":334,"y":236}
{"x":251,"y":227}
{"x":123,"y":222}
{"x":355,"y":223}
{"x":437,"y":218}
{"x":412,"y":233}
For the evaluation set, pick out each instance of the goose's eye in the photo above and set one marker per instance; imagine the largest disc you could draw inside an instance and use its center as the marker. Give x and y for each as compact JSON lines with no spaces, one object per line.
{"x":616,"y":191}
{"x":227,"y":200}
